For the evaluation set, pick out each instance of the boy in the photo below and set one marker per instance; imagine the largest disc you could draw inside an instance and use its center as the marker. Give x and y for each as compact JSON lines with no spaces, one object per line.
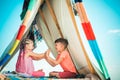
{"x":24,"y":63}
{"x":63,"y":58}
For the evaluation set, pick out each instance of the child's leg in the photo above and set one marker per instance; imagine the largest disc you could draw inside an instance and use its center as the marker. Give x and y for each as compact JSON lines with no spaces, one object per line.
{"x":2,"y":77}
{"x":67,"y":74}
{"x":55,"y":74}
{"x":38,"y":73}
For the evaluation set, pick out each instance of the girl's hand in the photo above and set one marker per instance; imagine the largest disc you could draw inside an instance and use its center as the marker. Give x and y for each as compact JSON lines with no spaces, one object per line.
{"x":47,"y":53}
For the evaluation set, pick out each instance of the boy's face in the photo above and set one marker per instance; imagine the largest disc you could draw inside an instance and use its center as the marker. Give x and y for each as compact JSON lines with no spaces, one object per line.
{"x":59,"y":47}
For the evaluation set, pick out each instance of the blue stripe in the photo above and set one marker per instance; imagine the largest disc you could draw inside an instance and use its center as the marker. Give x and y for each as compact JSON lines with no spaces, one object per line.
{"x":95,"y":49}
{"x":77,"y":1}
{"x":5,"y":59}
{"x":98,"y":56}
{"x":7,"y":48}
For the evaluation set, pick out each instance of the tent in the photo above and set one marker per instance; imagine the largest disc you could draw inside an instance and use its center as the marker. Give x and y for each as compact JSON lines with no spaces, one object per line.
{"x":55,"y":19}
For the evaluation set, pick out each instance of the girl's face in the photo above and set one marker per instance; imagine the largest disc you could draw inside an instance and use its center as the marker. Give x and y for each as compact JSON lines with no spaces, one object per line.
{"x":29,"y":45}
{"x":59,"y":47}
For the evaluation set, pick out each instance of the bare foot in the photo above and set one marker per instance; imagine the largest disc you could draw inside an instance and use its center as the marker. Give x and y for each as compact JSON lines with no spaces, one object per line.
{"x":2,"y":77}
{"x":40,"y":70}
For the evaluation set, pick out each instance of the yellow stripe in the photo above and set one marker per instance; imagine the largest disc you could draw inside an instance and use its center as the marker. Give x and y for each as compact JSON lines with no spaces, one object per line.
{"x":14,"y":46}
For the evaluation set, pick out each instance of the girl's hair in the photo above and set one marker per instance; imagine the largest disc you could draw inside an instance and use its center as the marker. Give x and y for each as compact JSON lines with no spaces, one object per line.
{"x":63,"y":41}
{"x":24,"y":42}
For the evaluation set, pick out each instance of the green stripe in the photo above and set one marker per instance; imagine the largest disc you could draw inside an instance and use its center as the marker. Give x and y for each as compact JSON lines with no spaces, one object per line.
{"x":31,"y":4}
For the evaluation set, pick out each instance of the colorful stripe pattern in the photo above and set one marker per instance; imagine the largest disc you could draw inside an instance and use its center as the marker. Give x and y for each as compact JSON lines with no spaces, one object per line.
{"x":91,"y":38}
{"x":19,"y":36}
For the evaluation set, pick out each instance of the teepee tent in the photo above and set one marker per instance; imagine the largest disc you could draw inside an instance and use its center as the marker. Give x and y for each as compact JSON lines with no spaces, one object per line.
{"x":55,"y":19}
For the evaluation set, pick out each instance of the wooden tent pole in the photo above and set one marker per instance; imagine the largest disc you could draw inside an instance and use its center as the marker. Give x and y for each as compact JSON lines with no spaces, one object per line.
{"x":54,"y":16}
{"x":43,"y":18}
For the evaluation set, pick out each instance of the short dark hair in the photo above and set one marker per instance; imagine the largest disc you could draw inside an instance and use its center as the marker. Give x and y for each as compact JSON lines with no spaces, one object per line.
{"x":63,"y":41}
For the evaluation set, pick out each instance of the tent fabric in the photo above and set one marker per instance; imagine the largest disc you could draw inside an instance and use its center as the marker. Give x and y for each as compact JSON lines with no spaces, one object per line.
{"x":87,"y":27}
{"x":29,"y":17}
{"x":28,"y":5}
{"x":24,"y":9}
{"x":34,"y":34}
{"x":58,"y":21}
{"x":67,"y":29}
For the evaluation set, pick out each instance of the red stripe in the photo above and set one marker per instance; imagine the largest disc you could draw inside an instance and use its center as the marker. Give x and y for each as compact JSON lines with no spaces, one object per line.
{"x":88,"y":31}
{"x":20,"y":32}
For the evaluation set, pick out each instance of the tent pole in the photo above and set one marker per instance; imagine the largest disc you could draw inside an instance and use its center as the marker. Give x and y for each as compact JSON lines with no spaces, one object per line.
{"x":54,"y":17}
{"x":43,"y":18}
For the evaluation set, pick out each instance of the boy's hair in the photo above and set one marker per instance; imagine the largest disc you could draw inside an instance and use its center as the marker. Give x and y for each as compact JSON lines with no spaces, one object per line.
{"x":63,"y":41}
{"x":24,"y":42}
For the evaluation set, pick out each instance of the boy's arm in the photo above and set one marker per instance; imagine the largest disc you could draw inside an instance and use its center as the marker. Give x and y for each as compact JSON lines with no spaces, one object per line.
{"x":52,"y":61}
{"x":36,"y":56}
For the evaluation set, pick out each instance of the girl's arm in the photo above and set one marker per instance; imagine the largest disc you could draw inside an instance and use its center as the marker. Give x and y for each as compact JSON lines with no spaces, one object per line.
{"x":36,"y":56}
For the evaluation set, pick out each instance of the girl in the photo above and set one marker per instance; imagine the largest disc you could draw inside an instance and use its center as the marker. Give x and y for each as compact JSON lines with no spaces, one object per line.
{"x":24,"y":63}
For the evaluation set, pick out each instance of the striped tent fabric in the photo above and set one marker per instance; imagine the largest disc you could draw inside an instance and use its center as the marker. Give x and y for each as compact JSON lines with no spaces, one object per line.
{"x":24,"y":26}
{"x":87,"y":27}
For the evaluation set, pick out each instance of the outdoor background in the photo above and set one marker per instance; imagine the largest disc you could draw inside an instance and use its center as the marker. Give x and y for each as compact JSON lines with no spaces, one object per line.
{"x":104,"y":16}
